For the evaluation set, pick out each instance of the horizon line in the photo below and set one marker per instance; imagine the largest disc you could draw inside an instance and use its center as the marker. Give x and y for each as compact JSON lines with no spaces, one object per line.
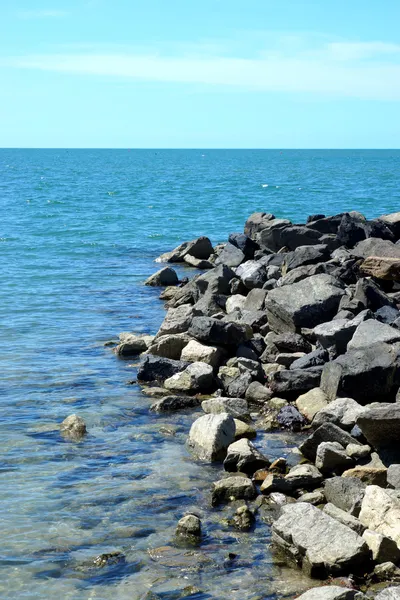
{"x":130,"y":148}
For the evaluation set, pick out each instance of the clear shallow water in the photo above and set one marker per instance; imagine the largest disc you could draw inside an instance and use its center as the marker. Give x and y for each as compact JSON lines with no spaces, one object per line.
{"x":79,"y":231}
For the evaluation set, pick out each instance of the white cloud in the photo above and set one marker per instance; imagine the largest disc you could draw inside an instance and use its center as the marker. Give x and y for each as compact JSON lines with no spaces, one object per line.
{"x":342,"y":69}
{"x":41,"y":14}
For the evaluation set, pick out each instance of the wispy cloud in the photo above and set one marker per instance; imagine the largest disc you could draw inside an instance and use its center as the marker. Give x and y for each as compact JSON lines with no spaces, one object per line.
{"x":41,"y":14}
{"x":343,"y":69}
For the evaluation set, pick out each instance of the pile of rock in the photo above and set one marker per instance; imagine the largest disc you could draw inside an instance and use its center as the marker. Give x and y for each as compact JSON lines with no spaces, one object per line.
{"x":300,"y":324}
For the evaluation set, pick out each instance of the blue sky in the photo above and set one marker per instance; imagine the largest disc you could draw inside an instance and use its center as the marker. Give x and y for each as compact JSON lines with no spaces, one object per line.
{"x":200,"y":73}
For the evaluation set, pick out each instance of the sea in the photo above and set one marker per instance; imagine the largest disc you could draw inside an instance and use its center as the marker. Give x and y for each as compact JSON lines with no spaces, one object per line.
{"x":79,"y":232}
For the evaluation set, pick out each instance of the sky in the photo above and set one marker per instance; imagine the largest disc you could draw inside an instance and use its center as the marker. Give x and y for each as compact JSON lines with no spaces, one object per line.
{"x":200,"y":73}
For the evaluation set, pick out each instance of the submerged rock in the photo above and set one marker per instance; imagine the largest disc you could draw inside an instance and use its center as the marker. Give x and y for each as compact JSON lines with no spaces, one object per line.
{"x":189,"y":527}
{"x":73,"y":427}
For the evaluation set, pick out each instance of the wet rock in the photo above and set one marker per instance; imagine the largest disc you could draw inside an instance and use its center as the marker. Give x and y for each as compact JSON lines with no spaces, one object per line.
{"x":189,"y":527}
{"x":213,"y":331}
{"x":197,"y":377}
{"x":310,"y":403}
{"x":343,"y":517}
{"x":368,"y":474}
{"x":380,"y":424}
{"x":289,"y":418}
{"x":210,"y":436}
{"x":331,"y":592}
{"x":164,"y":277}
{"x":132,"y":344}
{"x":331,"y":456}
{"x":342,"y":412}
{"x":73,"y":427}
{"x":158,"y":368}
{"x":237,"y":407}
{"x":232,"y":488}
{"x":380,"y":511}
{"x":198,"y":263}
{"x":174,"y":403}
{"x":304,"y":304}
{"x":383,"y":548}
{"x":169,"y":346}
{"x":317,"y":358}
{"x":345,"y":493}
{"x":243,"y":456}
{"x":243,"y":519}
{"x":304,"y":476}
{"x":325,"y":433}
{"x":110,"y":558}
{"x":318,"y":543}
{"x":196,"y":352}
{"x":371,"y":332}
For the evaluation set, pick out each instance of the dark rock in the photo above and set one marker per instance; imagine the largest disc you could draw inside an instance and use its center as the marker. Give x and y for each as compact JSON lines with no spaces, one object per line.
{"x":393,"y":222}
{"x":237,"y":286}
{"x":213,"y":331}
{"x":380,"y":425}
{"x":346,"y":493}
{"x":236,"y":487}
{"x":255,"y":300}
{"x":317,"y":358}
{"x":387,"y":314}
{"x":370,"y":294}
{"x":316,"y":217}
{"x":352,"y":229}
{"x":326,"y":225}
{"x":257,"y":222}
{"x":174,"y":403}
{"x":231,"y":256}
{"x":290,"y":418}
{"x":306,"y":255}
{"x":244,"y":243}
{"x":298,"y":235}
{"x":154,"y":368}
{"x":216,"y":281}
{"x":164,"y":277}
{"x":325,"y":433}
{"x":243,"y":456}
{"x":287,"y":342}
{"x":270,"y":235}
{"x":295,"y":381}
{"x":335,"y":334}
{"x":331,"y":457}
{"x":301,"y":273}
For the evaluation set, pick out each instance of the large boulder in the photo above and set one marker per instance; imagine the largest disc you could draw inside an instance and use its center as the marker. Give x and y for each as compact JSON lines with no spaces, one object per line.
{"x":197,"y":377}
{"x":371,"y":296}
{"x":163,"y":277}
{"x":196,"y":352}
{"x":237,"y":407}
{"x":318,"y":543}
{"x":252,"y":273}
{"x":158,"y":368}
{"x":230,"y":256}
{"x":335,"y":334}
{"x":132,"y":344}
{"x":380,"y":511}
{"x":304,"y":304}
{"x":212,"y":331}
{"x":210,"y":436}
{"x":295,"y":382}
{"x":170,"y":345}
{"x":390,"y":593}
{"x":332,"y":457}
{"x":364,"y":374}
{"x":382,"y":267}
{"x":380,"y":425}
{"x":200,"y":248}
{"x":383,"y":548}
{"x":376,"y":247}
{"x":306,"y":255}
{"x":243,"y":456}
{"x":244,"y":243}
{"x":316,"y":358}
{"x":346,"y":493}
{"x":304,"y":476}
{"x":342,"y":412}
{"x":177,"y":320}
{"x":257,"y":222}
{"x":392,"y":221}
{"x":371,"y":332}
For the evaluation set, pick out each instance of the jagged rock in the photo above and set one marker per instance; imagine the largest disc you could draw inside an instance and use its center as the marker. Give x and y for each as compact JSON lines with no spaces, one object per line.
{"x":393,"y":222}
{"x":255,"y":299}
{"x":368,"y":474}
{"x":73,"y":427}
{"x":189,"y":527}
{"x":371,"y":295}
{"x":388,"y":315}
{"x":304,"y":476}
{"x":310,"y":403}
{"x":386,"y":572}
{"x":234,"y":302}
{"x":393,"y":476}
{"x":243,"y":519}
{"x":200,"y":248}
{"x":132,"y":344}
{"x":154,"y":368}
{"x":174,"y":403}
{"x":286,"y":342}
{"x":163,"y":277}
{"x":244,"y":243}
{"x":257,"y":222}
{"x":364,"y":374}
{"x":374,"y":246}
{"x":237,"y":407}
{"x":210,"y":304}
{"x":246,"y":365}
{"x":198,"y":263}
{"x":289,"y":418}
{"x":230,"y":256}
{"x":317,"y":358}
{"x":342,"y":412}
{"x":276,"y":483}
{"x":232,"y":488}
{"x":380,"y":511}
{"x":269,"y":235}
{"x":319,"y":543}
{"x":373,"y":332}
{"x":258,"y":393}
{"x":295,"y":382}
{"x":252,"y":273}
{"x":287,"y":359}
{"x":213,"y":331}
{"x":383,"y":548}
{"x":343,"y":517}
{"x":216,"y":281}
{"x":332,"y":592}
{"x":196,"y":352}
{"x":210,"y":436}
{"x":306,"y":255}
{"x":177,"y":320}
{"x":331,"y":456}
{"x":335,"y":334}
{"x":328,"y":432}
{"x":197,"y":377}
{"x":243,"y":456}
{"x":345,"y":493}
{"x":356,"y":452}
{"x":255,"y":320}
{"x":169,"y":346}
{"x":303,"y":304}
{"x":234,"y":382}
{"x":382,"y":267}
{"x":380,"y":424}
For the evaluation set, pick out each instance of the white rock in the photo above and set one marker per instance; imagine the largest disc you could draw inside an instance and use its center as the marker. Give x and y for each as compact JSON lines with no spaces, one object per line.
{"x":210,"y":436}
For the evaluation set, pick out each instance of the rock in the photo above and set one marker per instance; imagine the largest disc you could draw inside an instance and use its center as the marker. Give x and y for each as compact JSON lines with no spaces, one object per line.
{"x":254,"y":320}
{"x":331,"y":456}
{"x":325,"y":433}
{"x":382,"y":268}
{"x":73,"y":427}
{"x":210,"y":436}
{"x":335,"y":334}
{"x":177,"y":320}
{"x":213,"y":331}
{"x":217,"y":281}
{"x":376,"y":247}
{"x":243,"y":456}
{"x":387,"y":314}
{"x":233,"y":381}
{"x":198,"y":263}
{"x":252,"y":273}
{"x":286,"y":358}
{"x":386,"y":571}
{"x":304,"y":476}
{"x":331,"y":592}
{"x":132,"y":344}
{"x":276,"y":483}
{"x":237,"y":301}
{"x":108,"y":558}
{"x":393,"y":222}
{"x":380,"y":511}
{"x":237,"y":407}
{"x":169,"y":346}
{"x":317,"y":358}
{"x":304,"y":304}
{"x":393,"y":476}
{"x":257,"y":222}
{"x":232,"y":488}
{"x":364,"y":374}
{"x":189,"y":527}
{"x":197,"y":377}
{"x":196,"y":352}
{"x":310,"y":403}
{"x":316,"y":497}
{"x":343,"y":517}
{"x":318,"y":543}
{"x":306,"y":255}
{"x":357,"y":452}
{"x":255,"y":299}
{"x":289,"y":418}
{"x":163,"y":277}
{"x":345,"y":493}
{"x":342,"y":412}
{"x":174,"y":403}
{"x":372,"y":332}
{"x":269,"y":236}
{"x":244,"y":243}
{"x":380,"y":424}
{"x":368,"y":474}
{"x":390,"y":593}
{"x":383,"y":548}
{"x":243,"y":519}
{"x":200,"y":248}
{"x":286,"y":342}
{"x":294,"y":382}
{"x":244,"y":430}
{"x":230,"y":256}
{"x":371,"y":295}
{"x":258,"y":393}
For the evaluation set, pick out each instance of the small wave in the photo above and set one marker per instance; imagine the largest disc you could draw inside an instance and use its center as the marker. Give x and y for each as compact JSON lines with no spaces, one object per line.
{"x":264,"y":185}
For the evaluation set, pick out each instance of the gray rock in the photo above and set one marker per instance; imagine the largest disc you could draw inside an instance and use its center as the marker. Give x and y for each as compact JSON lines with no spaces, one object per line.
{"x":386,"y":572}
{"x":210,"y":436}
{"x":189,"y":527}
{"x":237,"y":407}
{"x":255,"y":299}
{"x":376,"y":247}
{"x":232,"y":488}
{"x":316,"y":497}
{"x":372,"y":332}
{"x":393,"y":476}
{"x":331,"y":456}
{"x":174,"y":403}
{"x":269,"y":236}
{"x":216,"y":281}
{"x":343,"y":517}
{"x":287,"y":359}
{"x":252,"y":273}
{"x":331,"y":592}
{"x":390,"y":593}
{"x":286,"y":342}
{"x":235,"y":302}
{"x":213,"y":331}
{"x":177,"y":320}
{"x":335,"y":334}
{"x":317,"y":358}
{"x":345,"y":493}
{"x":306,"y":255}
{"x":73,"y":427}
{"x":197,"y":377}
{"x":320,"y":545}
{"x":258,"y":393}
{"x":257,"y":222}
{"x":244,"y":243}
{"x":328,"y":432}
{"x":196,"y":352}
{"x":380,"y":511}
{"x":342,"y":412}
{"x":243,"y":519}
{"x":276,"y":483}
{"x":310,"y":403}
{"x":304,"y":304}
{"x":234,"y":382}
{"x":200,"y":248}
{"x":380,"y":425}
{"x":230,"y":256}
{"x":163,"y":277}
{"x":198,"y":263}
{"x":297,"y":235}
{"x":371,"y":295}
{"x":158,"y":368}
{"x":304,"y":476}
{"x":132,"y":344}
{"x":243,"y":456}
{"x":383,"y":548}
{"x":357,"y":452}
{"x":169,"y":346}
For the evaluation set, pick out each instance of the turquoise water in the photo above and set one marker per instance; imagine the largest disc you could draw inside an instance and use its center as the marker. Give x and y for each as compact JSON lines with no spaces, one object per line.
{"x":79,"y":231}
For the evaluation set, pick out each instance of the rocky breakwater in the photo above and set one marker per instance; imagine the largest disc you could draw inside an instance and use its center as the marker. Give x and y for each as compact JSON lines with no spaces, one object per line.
{"x":293,"y":326}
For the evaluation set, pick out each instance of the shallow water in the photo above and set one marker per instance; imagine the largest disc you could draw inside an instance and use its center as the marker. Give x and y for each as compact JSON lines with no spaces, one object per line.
{"x":79,"y":231}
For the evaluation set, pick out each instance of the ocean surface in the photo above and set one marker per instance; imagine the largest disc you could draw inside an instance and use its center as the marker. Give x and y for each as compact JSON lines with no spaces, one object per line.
{"x":79,"y":232}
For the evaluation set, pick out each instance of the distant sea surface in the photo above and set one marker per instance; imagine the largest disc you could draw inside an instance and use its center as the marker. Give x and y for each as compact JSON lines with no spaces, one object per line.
{"x":79,"y":232}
